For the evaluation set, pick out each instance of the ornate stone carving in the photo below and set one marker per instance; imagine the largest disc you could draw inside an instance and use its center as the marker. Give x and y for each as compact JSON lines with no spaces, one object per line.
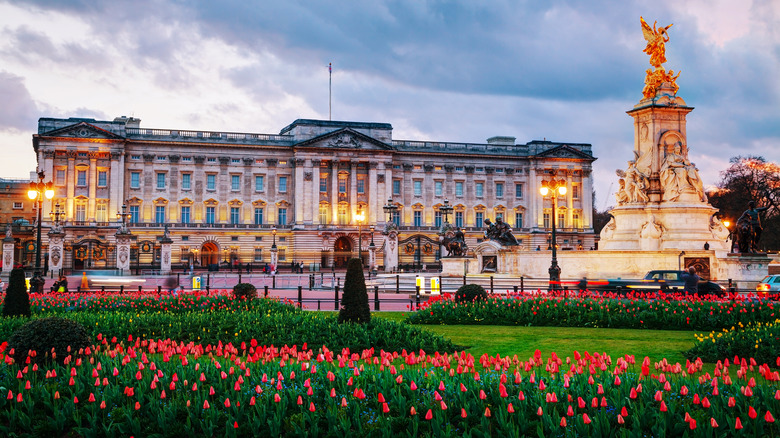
{"x":174,"y":158}
{"x":678,"y":176}
{"x":428,"y":167}
{"x":298,"y":162}
{"x":148,"y":158}
{"x":49,"y":154}
{"x":248,"y":161}
{"x":199,"y":159}
{"x":124,"y":254}
{"x":271,"y":162}
{"x":224,"y":161}
{"x":308,"y":176}
{"x":380,"y":177}
{"x":408,"y":166}
{"x":633,"y":185}
{"x":344,"y":140}
{"x":56,"y":254}
{"x":489,"y":170}
{"x":509,"y":171}
{"x":449,"y":168}
{"x":469,"y":169}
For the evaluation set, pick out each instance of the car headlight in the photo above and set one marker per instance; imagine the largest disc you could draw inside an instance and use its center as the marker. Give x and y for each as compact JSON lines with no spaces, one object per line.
{"x":762,"y":287}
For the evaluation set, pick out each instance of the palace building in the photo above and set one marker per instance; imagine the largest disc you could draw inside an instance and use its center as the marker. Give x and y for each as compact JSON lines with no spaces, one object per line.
{"x":227,"y":197}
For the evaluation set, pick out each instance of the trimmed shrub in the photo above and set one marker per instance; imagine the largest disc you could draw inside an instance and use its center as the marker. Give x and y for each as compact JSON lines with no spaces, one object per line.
{"x":62,"y":336}
{"x":17,"y":301}
{"x":245,"y":290}
{"x":469,"y":293}
{"x":354,"y":303}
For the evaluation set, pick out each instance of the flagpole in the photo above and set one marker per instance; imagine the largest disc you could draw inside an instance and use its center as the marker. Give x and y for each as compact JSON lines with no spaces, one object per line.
{"x":330,"y":89}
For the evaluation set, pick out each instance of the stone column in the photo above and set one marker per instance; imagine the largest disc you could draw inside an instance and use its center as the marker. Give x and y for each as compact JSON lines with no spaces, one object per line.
{"x":570,"y":199}
{"x":353,"y":167}
{"x":315,"y":192}
{"x":165,"y":252}
{"x":391,"y":251}
{"x":92,"y":184}
{"x":71,"y":186}
{"x":300,"y":195}
{"x":372,"y":194}
{"x":8,"y":252}
{"x":123,"y":238}
{"x":587,"y":199}
{"x":372,"y":257}
{"x":56,"y":238}
{"x":116,"y":182}
{"x":334,"y":192}
{"x":274,"y":257}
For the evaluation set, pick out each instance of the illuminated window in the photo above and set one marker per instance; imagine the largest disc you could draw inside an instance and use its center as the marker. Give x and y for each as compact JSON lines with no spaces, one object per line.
{"x":101,"y":213}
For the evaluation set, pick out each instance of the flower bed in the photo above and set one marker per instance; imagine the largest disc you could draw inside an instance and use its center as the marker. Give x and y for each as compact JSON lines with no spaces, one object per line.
{"x":142,"y":387}
{"x":759,"y":340}
{"x":652,"y":311}
{"x":221,"y":318}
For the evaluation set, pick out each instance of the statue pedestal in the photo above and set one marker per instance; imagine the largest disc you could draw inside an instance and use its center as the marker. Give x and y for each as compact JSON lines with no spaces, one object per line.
{"x":661,"y":226}
{"x":459,"y":266}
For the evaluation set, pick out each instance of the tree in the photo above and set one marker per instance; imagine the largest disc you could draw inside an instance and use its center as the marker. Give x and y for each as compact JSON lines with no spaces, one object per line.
{"x":354,"y":302}
{"x":17,"y":301}
{"x":747,"y":179}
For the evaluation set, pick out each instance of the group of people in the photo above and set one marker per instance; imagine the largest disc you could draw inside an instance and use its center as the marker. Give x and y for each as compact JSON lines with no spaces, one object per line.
{"x":296,"y":267}
{"x":61,"y":285}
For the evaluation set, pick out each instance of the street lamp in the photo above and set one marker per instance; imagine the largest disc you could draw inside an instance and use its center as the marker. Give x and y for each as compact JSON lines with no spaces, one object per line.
{"x":359,"y":218}
{"x":446,"y":210}
{"x":36,"y":193}
{"x":57,"y":214}
{"x":554,"y":188}
{"x":124,"y":216}
{"x":273,"y":232}
{"x":390,"y":208}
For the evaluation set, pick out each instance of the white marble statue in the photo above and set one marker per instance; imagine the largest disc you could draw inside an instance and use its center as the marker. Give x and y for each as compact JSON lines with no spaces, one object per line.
{"x":678,"y":175}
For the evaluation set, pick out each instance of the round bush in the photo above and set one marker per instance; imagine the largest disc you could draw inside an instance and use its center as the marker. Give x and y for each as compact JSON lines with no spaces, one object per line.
{"x":245,"y":290}
{"x":469,"y":293}
{"x":46,"y":335}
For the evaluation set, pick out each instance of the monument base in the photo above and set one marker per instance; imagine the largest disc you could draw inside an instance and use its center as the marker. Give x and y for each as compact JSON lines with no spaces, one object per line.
{"x":664,"y":226}
{"x":745,"y":270}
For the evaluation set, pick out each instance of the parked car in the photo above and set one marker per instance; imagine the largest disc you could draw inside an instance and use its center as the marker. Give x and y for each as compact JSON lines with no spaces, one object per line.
{"x":770,"y":283}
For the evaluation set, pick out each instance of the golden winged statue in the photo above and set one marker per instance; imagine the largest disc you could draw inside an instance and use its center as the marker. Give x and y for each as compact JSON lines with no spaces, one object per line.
{"x":656,"y":38}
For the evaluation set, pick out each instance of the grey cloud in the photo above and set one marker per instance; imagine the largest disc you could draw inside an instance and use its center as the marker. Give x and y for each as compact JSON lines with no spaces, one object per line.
{"x":18,"y":111}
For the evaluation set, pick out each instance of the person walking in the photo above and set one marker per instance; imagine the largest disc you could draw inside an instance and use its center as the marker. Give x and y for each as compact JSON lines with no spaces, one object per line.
{"x":691,"y":281}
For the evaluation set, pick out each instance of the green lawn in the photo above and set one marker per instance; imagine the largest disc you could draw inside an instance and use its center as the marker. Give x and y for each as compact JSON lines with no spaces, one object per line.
{"x":523,"y":341}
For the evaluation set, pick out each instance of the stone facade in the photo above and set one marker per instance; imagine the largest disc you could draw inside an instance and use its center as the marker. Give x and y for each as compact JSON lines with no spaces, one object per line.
{"x":222,"y":193}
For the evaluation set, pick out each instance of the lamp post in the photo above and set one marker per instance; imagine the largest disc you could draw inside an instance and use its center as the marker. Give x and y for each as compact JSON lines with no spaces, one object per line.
{"x":359,"y":218}
{"x":36,"y":193}
{"x":371,"y":251}
{"x":554,"y":188}
{"x":273,"y":232}
{"x":390,"y":208}
{"x":124,"y":216}
{"x":446,"y":210}
{"x":57,"y":214}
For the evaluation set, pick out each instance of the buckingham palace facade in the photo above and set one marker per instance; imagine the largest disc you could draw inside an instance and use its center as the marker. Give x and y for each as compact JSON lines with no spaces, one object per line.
{"x":226,"y":197}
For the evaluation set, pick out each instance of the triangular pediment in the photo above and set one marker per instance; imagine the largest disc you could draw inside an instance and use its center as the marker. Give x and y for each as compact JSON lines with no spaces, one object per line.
{"x":564,"y":151}
{"x":82,"y":130}
{"x":345,"y":138}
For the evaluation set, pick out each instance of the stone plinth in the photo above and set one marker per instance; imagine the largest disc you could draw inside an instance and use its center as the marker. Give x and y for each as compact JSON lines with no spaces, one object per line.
{"x":459,"y":266}
{"x":745,"y":270}
{"x":55,"y":251}
{"x":664,"y":226}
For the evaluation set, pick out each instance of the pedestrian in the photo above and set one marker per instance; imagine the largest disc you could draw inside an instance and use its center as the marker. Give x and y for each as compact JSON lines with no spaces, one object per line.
{"x":301,"y":268}
{"x":249,"y":267}
{"x":691,"y":281}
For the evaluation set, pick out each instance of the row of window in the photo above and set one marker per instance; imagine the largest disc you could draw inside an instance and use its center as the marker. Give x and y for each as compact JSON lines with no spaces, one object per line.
{"x":185,"y":215}
{"x":211,"y":181}
{"x":60,"y":177}
{"x":479,"y":189}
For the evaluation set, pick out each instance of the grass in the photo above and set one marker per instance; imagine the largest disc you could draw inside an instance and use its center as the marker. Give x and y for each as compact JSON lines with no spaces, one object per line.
{"x":523,"y":341}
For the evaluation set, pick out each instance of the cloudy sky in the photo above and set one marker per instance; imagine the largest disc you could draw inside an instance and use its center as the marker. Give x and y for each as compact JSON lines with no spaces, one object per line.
{"x":459,"y":71}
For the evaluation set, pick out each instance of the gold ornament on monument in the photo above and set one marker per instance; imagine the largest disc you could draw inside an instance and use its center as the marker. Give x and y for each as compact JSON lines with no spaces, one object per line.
{"x":656,"y":38}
